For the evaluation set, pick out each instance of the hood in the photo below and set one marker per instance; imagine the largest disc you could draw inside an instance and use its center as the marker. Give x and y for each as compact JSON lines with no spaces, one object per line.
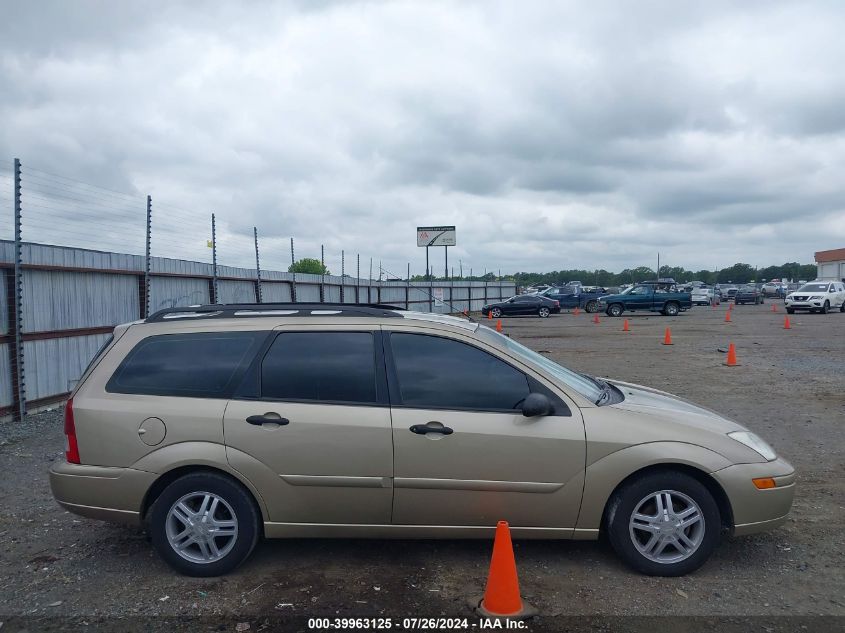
{"x":653,"y":402}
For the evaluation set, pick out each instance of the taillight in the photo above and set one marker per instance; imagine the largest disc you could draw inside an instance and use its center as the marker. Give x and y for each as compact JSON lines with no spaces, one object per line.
{"x":72,"y":452}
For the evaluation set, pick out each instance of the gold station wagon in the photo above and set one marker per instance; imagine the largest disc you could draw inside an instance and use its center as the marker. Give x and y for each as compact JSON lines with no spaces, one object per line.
{"x":215,"y":426}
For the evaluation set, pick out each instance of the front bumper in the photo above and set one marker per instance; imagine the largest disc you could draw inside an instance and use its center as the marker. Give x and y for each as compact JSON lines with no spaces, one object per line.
{"x":99,"y":492}
{"x":814,"y":304}
{"x":756,"y":510}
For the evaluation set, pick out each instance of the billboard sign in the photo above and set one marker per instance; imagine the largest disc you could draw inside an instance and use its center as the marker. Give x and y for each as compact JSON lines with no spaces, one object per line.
{"x":436,"y":236}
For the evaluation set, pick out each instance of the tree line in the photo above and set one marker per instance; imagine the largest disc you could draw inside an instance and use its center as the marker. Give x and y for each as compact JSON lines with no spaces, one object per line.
{"x":738,"y":274}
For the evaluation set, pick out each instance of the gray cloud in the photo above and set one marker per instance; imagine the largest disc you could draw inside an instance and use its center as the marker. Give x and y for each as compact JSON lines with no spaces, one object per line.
{"x":554,"y":136}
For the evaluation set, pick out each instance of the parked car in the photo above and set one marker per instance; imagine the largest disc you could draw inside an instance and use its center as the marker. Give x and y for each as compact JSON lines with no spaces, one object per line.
{"x":728,"y":292}
{"x":817,"y":296}
{"x":215,"y":426}
{"x":774,"y":289}
{"x":704,"y":296}
{"x":748,"y":294}
{"x":571,"y":297}
{"x":522,"y":305}
{"x":655,"y":296}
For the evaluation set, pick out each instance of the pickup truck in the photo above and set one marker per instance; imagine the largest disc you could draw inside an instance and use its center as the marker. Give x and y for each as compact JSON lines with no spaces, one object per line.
{"x":574,"y":297}
{"x":652,"y":296}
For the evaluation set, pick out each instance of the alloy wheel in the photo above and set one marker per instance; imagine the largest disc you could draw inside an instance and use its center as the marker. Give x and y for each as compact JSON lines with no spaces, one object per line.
{"x":201,"y":527}
{"x":667,"y":526}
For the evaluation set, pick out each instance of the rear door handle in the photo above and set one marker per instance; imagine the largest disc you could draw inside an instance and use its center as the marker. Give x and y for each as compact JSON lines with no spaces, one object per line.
{"x":431,"y":427}
{"x":267,"y":418}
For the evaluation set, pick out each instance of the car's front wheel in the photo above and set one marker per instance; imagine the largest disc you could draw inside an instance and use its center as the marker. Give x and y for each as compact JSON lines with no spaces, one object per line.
{"x":544,"y":312}
{"x":825,"y":308}
{"x":204,"y":524}
{"x":790,"y":311}
{"x":665,"y":523}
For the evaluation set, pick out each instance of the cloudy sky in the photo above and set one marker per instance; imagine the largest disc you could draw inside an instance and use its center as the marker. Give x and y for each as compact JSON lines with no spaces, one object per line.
{"x":553,"y":134}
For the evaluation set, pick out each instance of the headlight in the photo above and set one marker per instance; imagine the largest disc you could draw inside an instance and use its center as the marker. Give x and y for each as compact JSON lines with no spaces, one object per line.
{"x":755,"y":443}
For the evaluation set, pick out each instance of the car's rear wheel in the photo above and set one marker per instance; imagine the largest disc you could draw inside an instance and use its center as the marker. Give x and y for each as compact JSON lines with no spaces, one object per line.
{"x":665,"y":523}
{"x":615,"y":309}
{"x":544,"y":312}
{"x":671,"y":309}
{"x":825,"y":308}
{"x":591,"y":306}
{"x":496,"y":312}
{"x":204,"y":524}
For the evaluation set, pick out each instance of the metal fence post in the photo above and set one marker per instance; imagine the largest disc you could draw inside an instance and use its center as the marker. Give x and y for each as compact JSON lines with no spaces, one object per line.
{"x":342,"y":275}
{"x":293,"y":280}
{"x":408,"y":289}
{"x":257,"y":267}
{"x":370,"y":283}
{"x":16,"y":306}
{"x":322,"y":274}
{"x":214,"y":290}
{"x":145,"y":307}
{"x":358,"y":281}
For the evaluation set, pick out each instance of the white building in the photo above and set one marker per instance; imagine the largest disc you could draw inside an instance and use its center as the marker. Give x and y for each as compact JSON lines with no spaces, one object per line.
{"x":831,"y":264}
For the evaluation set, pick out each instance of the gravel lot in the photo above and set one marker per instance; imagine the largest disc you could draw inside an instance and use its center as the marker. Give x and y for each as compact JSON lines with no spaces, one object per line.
{"x":61,"y":571}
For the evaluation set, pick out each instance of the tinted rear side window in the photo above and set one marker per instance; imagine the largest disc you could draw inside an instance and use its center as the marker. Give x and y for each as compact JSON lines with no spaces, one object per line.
{"x":321,"y":367}
{"x":441,"y":373}
{"x":202,"y":365}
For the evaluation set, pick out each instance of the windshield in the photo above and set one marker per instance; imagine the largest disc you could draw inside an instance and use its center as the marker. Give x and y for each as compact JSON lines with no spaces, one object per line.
{"x":584,"y":385}
{"x":813,"y":288}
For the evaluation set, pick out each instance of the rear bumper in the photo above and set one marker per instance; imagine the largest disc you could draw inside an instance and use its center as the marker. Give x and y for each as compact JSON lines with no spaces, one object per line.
{"x":98,"y":492}
{"x":756,"y":510}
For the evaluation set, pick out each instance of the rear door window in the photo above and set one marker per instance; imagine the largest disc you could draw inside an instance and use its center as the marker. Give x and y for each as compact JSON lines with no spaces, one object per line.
{"x":200,"y":365}
{"x":334,"y":367}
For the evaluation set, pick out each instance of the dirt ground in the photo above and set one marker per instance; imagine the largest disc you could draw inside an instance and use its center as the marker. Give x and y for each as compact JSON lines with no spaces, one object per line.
{"x":62,"y":572}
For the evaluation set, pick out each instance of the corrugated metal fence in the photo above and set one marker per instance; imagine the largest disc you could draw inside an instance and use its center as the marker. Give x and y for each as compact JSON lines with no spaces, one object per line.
{"x":73,"y":297}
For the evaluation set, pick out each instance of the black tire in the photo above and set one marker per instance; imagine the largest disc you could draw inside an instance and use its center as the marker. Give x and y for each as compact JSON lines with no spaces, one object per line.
{"x":671,"y":309}
{"x":825,"y":308}
{"x":243,"y":508}
{"x":615,"y":310}
{"x":790,"y":311}
{"x":624,"y":501}
{"x":544,"y":312}
{"x":591,"y":306}
{"x":842,"y":307}
{"x":496,"y":312}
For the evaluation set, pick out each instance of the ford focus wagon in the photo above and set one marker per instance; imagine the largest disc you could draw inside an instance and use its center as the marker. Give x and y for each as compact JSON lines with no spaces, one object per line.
{"x":219,"y":425}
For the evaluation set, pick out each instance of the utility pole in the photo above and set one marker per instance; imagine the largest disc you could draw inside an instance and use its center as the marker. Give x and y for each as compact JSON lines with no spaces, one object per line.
{"x":214,"y":288}
{"x":257,"y":268}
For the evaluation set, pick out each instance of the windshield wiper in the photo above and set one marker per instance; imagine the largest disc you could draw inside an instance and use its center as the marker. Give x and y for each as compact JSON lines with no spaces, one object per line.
{"x":605,"y":387}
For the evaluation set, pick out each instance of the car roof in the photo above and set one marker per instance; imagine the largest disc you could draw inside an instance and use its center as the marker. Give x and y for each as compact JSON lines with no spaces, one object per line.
{"x":219,"y":313}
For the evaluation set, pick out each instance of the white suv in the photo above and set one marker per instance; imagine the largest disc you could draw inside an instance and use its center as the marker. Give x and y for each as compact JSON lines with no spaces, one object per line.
{"x":817,"y":296}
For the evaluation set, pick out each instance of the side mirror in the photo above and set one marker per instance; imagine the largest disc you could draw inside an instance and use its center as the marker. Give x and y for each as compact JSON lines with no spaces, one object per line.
{"x":537,"y":404}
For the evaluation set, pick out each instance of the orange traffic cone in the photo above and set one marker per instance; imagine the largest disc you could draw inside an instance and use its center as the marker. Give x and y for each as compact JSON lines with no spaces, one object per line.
{"x":730,"y":307}
{"x":501,"y":596}
{"x":498,"y":325}
{"x":728,"y":316}
{"x":595,"y":318}
{"x":667,"y":337}
{"x":774,"y":308}
{"x":490,"y":315}
{"x":731,"y":362}
{"x":786,"y":324}
{"x":625,"y":327}
{"x":576,"y":311}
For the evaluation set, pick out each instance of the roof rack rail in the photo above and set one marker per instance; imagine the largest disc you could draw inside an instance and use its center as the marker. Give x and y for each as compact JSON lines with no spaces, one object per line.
{"x":238,"y":310}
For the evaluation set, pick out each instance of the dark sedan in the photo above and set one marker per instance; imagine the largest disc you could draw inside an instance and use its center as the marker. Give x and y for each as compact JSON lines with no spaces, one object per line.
{"x":523,"y":305}
{"x":748,"y":294}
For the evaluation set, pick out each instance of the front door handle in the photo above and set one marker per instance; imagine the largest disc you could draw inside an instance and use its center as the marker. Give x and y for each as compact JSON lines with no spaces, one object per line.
{"x":267,"y":418}
{"x":431,"y":427}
